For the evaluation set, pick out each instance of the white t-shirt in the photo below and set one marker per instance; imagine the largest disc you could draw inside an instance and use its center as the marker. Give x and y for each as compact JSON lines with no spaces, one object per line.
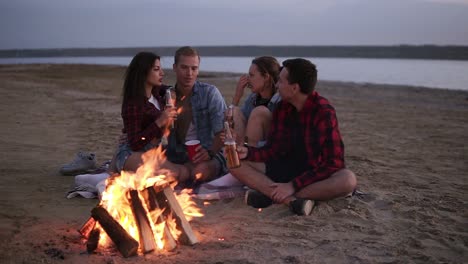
{"x":191,"y":132}
{"x":155,"y":102}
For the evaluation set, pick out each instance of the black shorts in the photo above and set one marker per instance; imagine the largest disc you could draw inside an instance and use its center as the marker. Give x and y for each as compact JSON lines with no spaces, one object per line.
{"x":284,"y":170}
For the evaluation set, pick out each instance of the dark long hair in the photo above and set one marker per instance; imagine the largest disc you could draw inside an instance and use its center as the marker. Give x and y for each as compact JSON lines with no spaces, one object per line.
{"x":268,"y":65}
{"x":135,"y":76}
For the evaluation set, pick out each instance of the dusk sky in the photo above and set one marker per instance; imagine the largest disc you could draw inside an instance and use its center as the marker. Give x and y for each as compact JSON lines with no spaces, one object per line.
{"x":142,"y":23}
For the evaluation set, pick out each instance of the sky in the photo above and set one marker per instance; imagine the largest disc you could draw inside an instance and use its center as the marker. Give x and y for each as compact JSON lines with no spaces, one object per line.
{"x":29,"y":24}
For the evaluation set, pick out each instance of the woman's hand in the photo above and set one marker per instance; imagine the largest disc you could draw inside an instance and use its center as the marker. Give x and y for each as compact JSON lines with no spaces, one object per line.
{"x":168,"y":115}
{"x":241,"y":84}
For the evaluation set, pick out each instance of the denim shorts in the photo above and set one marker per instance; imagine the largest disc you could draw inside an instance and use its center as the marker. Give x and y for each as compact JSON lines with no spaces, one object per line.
{"x":221,"y":160}
{"x":124,"y":151}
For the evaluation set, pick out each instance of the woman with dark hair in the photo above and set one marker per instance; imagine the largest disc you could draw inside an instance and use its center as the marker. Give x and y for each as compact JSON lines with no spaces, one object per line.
{"x":252,"y":121}
{"x":145,"y":118}
{"x":143,"y":110}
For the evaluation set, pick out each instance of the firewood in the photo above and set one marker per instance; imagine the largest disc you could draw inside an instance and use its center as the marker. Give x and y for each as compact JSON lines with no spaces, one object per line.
{"x":125,"y":243}
{"x":147,"y":242}
{"x":152,"y":204}
{"x":166,"y":199}
{"x":87,"y":227}
{"x":93,"y":240}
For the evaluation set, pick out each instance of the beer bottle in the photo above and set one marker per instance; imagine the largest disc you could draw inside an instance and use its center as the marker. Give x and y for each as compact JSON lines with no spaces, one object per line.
{"x":230,"y":148}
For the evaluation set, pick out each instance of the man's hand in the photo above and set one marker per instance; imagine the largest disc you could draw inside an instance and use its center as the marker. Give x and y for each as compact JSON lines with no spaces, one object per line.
{"x":222,"y":135}
{"x":242,"y":151}
{"x":281,"y":191}
{"x":201,"y":155}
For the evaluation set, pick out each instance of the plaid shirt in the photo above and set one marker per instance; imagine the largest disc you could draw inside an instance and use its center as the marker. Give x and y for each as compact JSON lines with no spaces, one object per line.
{"x":323,"y":144}
{"x":139,"y":116}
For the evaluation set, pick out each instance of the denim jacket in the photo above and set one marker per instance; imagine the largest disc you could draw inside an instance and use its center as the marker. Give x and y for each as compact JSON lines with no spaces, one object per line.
{"x":248,"y":105}
{"x":208,"y":109}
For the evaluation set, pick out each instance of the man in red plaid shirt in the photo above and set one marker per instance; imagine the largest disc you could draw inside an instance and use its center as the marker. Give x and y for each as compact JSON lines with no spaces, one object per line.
{"x":303,"y":159}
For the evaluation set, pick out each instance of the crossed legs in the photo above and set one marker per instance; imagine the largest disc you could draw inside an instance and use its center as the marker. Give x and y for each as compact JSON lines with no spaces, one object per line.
{"x":202,"y":171}
{"x":338,"y":184}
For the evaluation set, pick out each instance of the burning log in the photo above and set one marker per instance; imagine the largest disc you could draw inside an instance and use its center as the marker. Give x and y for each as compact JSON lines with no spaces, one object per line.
{"x":147,"y":241}
{"x":87,"y":227}
{"x":166,"y":199}
{"x":124,"y":242}
{"x":93,"y":240}
{"x":152,"y":204}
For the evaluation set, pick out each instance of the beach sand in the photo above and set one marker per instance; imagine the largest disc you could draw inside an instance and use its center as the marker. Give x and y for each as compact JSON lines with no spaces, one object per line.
{"x":408,"y":147}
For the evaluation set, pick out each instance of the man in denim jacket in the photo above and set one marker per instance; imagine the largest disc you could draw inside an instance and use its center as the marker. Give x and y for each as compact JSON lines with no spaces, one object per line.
{"x":201,"y":115}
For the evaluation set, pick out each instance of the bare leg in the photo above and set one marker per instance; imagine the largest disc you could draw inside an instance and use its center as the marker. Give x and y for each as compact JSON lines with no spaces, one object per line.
{"x":258,"y":125}
{"x":133,"y":162}
{"x":178,"y":172}
{"x":253,"y":175}
{"x":239,"y":125}
{"x":205,"y":171}
{"x":338,"y":184}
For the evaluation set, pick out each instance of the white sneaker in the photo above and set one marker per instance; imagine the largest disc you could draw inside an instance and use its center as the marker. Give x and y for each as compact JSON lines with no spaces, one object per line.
{"x":82,"y":163}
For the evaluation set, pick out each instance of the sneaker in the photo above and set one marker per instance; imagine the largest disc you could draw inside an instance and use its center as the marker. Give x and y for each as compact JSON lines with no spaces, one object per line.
{"x":101,"y":169}
{"x":257,"y":199}
{"x":82,"y":163}
{"x":301,"y":206}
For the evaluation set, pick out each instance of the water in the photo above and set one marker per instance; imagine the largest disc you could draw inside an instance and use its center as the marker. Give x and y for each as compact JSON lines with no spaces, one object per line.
{"x":428,"y":73}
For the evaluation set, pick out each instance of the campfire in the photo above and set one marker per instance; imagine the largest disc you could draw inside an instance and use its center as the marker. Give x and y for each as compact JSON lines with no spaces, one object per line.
{"x":140,"y":213}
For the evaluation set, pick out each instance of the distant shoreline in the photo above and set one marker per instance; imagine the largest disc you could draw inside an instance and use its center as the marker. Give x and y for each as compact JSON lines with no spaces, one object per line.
{"x":429,"y":52}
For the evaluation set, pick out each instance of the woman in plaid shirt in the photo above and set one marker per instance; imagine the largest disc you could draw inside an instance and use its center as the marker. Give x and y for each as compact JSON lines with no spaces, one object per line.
{"x":144,"y":114}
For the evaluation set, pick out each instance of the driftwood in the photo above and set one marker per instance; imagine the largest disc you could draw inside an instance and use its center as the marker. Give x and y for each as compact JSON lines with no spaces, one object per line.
{"x":152,"y":205}
{"x":166,"y":199}
{"x":126,"y":245}
{"x":87,"y":227}
{"x":147,"y":242}
{"x":93,"y":240}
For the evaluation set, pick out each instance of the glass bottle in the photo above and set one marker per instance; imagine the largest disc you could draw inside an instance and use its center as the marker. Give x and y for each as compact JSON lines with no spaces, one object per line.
{"x":230,"y":149}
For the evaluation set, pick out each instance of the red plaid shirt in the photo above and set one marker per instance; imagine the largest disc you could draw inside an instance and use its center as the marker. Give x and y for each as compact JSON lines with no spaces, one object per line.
{"x":139,"y":118}
{"x":323,"y":143}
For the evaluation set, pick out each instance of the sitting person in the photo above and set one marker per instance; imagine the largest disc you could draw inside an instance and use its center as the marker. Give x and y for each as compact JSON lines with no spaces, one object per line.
{"x":303,"y":159}
{"x":201,"y":115}
{"x":144,"y":119}
{"x":252,"y":121}
{"x":144,"y":114}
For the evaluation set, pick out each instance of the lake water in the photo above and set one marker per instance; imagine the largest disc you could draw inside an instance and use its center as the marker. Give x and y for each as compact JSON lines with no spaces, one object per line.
{"x":428,"y":73}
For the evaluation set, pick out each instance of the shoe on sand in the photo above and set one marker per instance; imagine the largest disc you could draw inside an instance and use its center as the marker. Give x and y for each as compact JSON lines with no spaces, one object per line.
{"x":257,"y":199}
{"x":301,"y":206}
{"x":82,"y":163}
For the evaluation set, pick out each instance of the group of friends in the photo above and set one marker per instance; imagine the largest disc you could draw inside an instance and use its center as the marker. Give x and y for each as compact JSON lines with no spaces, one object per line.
{"x":288,"y":140}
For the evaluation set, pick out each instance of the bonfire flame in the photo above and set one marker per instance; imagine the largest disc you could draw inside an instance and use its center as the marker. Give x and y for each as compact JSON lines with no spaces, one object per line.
{"x":116,"y":201}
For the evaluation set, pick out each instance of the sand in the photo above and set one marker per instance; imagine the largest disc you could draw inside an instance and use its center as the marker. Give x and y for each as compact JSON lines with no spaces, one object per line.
{"x":407,"y":145}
